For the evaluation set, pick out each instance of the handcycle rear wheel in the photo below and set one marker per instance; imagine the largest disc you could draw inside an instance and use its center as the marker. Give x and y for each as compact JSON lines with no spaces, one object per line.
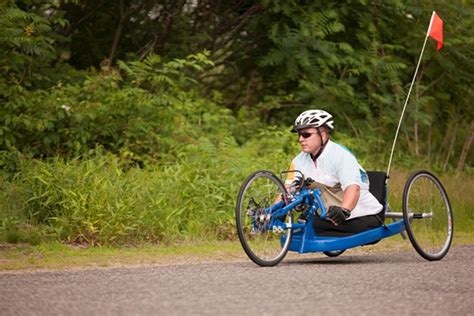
{"x":428,"y":215}
{"x":264,"y":245}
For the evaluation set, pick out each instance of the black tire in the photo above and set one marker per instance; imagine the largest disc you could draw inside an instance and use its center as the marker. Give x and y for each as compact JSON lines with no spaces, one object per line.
{"x":261,"y":243}
{"x":334,"y":253}
{"x":431,"y":235}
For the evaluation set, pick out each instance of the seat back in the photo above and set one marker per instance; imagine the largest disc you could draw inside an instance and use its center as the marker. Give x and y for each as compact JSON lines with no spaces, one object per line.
{"x":378,"y":187}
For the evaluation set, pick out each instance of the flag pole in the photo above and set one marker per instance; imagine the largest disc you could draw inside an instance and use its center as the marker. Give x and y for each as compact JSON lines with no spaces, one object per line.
{"x":408,"y":96}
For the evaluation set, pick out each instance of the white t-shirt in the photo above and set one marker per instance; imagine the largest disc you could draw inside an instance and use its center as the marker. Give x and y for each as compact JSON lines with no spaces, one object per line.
{"x":337,"y":164}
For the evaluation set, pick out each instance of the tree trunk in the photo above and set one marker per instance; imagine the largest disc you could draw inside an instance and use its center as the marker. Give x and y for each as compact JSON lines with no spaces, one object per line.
{"x":415,"y":130}
{"x":451,"y":146}
{"x":408,"y":142}
{"x":171,"y":11}
{"x":430,"y":131}
{"x":351,"y":125}
{"x":444,"y":143}
{"x":465,"y":148}
{"x":117,"y":35}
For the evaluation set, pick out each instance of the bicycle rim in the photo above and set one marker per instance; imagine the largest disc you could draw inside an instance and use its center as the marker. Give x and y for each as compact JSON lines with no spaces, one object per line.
{"x":428,"y":215}
{"x":265,"y":245}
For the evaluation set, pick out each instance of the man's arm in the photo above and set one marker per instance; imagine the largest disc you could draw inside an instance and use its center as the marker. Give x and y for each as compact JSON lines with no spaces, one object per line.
{"x":351,"y":196}
{"x":338,"y":214}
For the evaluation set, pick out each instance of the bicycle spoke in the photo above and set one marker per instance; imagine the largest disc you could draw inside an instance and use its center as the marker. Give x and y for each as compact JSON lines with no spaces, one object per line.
{"x":428,"y":215}
{"x":255,"y":220}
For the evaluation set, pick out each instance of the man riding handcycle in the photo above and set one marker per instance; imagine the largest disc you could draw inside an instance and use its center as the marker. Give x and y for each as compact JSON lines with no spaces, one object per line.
{"x":341,"y":205}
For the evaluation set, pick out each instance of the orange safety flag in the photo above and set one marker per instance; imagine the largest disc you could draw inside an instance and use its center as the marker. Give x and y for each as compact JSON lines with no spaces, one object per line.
{"x":435,"y":30}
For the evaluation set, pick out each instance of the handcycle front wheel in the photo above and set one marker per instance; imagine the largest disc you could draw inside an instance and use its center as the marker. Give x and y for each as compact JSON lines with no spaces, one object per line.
{"x":428,"y":215}
{"x":258,"y":195}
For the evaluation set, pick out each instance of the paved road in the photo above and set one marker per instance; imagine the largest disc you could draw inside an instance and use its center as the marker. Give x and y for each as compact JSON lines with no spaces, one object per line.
{"x":371,"y":284}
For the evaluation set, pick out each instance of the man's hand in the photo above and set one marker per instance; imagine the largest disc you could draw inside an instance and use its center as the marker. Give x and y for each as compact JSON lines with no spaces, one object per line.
{"x":337,"y":214}
{"x":297,"y":182}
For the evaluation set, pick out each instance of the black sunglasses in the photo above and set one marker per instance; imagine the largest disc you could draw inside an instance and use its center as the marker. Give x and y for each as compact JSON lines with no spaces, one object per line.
{"x":306,"y":134}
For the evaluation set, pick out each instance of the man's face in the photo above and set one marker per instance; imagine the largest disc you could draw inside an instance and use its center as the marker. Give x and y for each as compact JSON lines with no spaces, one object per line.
{"x":309,"y":139}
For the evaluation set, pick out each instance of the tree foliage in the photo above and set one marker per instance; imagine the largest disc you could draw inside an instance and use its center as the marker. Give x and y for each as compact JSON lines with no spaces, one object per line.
{"x":116,"y":74}
{"x":133,"y":120}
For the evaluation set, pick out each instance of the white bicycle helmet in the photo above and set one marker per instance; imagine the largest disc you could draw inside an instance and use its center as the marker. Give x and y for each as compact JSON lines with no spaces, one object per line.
{"x":313,"y":118}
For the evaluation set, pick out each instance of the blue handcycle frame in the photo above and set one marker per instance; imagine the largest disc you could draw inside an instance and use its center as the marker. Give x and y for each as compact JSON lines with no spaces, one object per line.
{"x":304,"y":238}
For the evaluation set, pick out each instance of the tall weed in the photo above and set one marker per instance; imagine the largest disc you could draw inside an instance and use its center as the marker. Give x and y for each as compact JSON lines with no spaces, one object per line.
{"x":99,"y":200}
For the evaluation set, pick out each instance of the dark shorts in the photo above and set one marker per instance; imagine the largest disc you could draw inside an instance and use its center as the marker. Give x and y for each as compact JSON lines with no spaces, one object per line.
{"x":323,"y":227}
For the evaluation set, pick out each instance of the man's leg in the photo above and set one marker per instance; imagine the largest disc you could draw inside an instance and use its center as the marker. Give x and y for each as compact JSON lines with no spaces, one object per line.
{"x":347,"y":228}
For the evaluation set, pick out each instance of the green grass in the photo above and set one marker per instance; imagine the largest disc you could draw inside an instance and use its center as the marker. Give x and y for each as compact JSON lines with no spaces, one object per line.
{"x":99,"y":202}
{"x":61,"y":256}
{"x":460,"y":190}
{"x":58,"y":256}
